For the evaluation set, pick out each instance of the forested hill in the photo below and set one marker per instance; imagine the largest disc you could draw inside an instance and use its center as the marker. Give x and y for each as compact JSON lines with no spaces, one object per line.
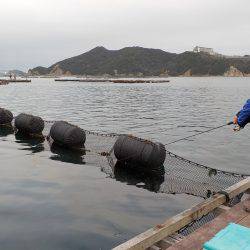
{"x":138,"y":61}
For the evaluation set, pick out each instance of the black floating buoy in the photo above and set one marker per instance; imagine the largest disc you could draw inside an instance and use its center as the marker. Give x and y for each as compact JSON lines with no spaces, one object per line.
{"x":138,"y":151}
{"x":29,"y":124}
{"x":68,"y":135}
{"x":6,"y":116}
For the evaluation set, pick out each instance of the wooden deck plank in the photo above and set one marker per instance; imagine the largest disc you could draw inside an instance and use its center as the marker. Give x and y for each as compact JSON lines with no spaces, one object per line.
{"x":172,"y":225}
{"x":245,"y":222}
{"x":164,"y":244}
{"x":154,"y":248}
{"x":222,"y":208}
{"x":195,"y":241}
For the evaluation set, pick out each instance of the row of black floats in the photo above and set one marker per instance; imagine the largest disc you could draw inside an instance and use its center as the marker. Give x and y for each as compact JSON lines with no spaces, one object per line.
{"x":130,"y":151}
{"x":61,"y":132}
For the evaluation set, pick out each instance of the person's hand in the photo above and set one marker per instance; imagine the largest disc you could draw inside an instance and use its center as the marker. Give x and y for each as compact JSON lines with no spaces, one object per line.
{"x":237,"y":128}
{"x":235,"y":120}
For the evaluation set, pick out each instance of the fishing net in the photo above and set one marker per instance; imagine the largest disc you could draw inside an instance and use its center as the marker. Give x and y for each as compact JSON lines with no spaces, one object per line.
{"x":184,"y":176}
{"x":195,"y":224}
{"x":178,"y":175}
{"x":190,"y":228}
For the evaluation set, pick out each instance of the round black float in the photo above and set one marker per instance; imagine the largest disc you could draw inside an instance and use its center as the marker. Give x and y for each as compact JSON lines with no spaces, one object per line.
{"x":29,"y":124}
{"x":68,"y":135}
{"x":6,"y":116}
{"x":138,"y":151}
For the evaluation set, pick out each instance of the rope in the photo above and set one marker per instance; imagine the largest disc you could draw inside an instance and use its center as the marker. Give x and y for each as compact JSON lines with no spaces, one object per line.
{"x":106,"y":154}
{"x":203,"y":132}
{"x":92,"y":132}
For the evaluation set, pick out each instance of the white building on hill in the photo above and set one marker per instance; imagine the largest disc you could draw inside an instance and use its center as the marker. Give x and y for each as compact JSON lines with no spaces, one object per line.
{"x":209,"y":51}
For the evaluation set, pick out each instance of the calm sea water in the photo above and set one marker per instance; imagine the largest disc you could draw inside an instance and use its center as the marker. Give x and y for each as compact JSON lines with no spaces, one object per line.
{"x":49,"y":202}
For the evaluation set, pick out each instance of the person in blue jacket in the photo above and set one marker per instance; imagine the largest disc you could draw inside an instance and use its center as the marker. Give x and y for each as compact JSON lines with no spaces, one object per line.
{"x":242,"y":118}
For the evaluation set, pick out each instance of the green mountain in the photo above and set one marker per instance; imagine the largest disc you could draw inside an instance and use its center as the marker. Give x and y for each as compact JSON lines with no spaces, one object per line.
{"x":138,"y":61}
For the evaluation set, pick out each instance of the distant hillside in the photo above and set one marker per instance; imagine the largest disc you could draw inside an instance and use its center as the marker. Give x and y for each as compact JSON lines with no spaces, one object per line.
{"x":137,"y":61}
{"x":16,"y":72}
{"x":13,"y":72}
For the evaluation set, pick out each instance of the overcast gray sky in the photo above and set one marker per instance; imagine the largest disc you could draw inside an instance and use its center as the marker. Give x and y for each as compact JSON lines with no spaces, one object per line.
{"x":41,"y":32}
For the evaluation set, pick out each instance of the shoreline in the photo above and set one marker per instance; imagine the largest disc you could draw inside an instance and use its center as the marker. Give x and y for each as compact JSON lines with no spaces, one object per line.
{"x":130,"y":77}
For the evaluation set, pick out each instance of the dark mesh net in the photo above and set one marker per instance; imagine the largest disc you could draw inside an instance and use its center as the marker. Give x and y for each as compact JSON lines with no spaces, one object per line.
{"x":178,"y":175}
{"x":184,"y":176}
{"x":197,"y":223}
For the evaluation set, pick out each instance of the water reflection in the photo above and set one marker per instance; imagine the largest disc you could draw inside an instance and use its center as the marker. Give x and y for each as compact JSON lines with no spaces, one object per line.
{"x":31,"y":143}
{"x":6,"y":130}
{"x":66,"y":155}
{"x":136,"y":175}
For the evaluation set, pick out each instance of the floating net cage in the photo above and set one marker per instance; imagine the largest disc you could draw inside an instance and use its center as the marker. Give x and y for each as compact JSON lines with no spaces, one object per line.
{"x":177,"y":176}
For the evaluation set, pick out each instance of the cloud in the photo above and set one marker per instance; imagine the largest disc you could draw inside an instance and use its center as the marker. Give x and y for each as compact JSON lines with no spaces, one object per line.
{"x":41,"y":32}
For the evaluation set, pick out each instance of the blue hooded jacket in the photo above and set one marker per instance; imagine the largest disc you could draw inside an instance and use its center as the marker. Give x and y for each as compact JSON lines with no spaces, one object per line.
{"x":244,"y":115}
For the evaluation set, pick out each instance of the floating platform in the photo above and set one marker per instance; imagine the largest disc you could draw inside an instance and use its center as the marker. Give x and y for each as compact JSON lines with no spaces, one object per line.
{"x":113,"y":80}
{"x":3,"y":82}
{"x":167,"y":236}
{"x":139,"y":81}
{"x":81,"y":80}
{"x":6,"y":81}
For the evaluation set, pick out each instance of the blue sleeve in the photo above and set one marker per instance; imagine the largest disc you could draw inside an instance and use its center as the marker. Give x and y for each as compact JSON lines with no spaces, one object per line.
{"x":244,"y":115}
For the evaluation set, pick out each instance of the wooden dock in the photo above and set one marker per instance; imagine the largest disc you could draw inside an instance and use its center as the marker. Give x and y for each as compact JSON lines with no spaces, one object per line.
{"x":113,"y":80}
{"x":82,"y":80}
{"x":7,"y":81}
{"x":238,"y":214}
{"x":139,"y":81}
{"x":165,"y":236}
{"x":3,"y":82}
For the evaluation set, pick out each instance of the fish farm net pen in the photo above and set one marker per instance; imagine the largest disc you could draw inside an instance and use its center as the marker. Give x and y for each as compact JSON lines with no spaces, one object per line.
{"x":180,"y":175}
{"x":176,"y":175}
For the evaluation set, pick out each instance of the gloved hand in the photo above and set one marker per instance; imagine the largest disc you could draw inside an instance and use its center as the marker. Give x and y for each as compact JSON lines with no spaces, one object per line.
{"x":235,"y":120}
{"x":237,"y":128}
